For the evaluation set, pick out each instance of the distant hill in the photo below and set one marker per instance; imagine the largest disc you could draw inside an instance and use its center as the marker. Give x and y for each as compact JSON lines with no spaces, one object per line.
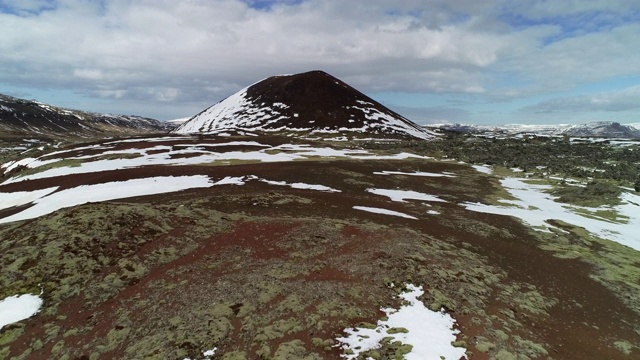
{"x":605,"y":129}
{"x":313,"y":102}
{"x":32,"y":118}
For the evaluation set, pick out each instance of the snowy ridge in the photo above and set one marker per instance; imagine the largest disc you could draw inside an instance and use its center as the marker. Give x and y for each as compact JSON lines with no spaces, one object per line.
{"x":33,"y":118}
{"x":606,"y":129}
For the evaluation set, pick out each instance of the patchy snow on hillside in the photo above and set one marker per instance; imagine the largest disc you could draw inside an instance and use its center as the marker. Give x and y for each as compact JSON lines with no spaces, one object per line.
{"x":241,"y":180}
{"x":8,"y":166}
{"x":376,"y":210}
{"x":300,"y":185}
{"x":430,"y":333}
{"x":255,"y":108}
{"x":231,"y":180}
{"x":108,"y":191}
{"x":234,"y":112}
{"x":485,"y":169}
{"x":18,"y":198}
{"x":415,"y":173}
{"x":166,"y":155}
{"x":402,"y":195}
{"x":534,"y":207}
{"x":18,"y":307}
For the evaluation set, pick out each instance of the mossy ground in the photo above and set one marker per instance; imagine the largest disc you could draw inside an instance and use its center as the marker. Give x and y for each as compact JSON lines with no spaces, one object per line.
{"x":276,"y":273}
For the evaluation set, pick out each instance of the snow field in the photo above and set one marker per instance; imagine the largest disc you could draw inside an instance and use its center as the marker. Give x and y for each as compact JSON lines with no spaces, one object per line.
{"x":47,"y":201}
{"x":104,"y":192}
{"x":18,"y":198}
{"x":280,"y":153}
{"x":534,"y":207}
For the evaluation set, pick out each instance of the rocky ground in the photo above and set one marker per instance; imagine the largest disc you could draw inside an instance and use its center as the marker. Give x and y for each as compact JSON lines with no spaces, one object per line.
{"x":264,"y":269}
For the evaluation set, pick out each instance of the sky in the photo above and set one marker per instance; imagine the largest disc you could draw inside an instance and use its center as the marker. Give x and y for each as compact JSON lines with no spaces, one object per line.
{"x":433,"y":61}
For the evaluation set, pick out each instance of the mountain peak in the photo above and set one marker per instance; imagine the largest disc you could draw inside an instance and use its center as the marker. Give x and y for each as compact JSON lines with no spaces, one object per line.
{"x":313,"y":101}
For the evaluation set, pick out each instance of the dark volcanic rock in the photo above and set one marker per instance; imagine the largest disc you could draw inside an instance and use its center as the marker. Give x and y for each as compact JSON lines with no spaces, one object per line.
{"x":313,"y":101}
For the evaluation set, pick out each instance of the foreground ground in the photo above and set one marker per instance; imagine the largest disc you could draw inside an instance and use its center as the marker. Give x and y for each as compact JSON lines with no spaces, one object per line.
{"x":284,"y":246}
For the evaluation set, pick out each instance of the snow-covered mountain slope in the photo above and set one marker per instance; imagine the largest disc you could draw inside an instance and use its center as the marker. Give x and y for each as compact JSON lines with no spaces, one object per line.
{"x":314,"y":102}
{"x":607,"y":129}
{"x":603,"y":129}
{"x":33,"y":118}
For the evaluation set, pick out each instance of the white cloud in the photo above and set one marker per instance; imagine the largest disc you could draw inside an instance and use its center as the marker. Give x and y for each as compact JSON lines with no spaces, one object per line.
{"x":613,"y":101}
{"x":190,"y":54}
{"x":89,"y":74}
{"x":435,"y":115}
{"x":222,"y":39}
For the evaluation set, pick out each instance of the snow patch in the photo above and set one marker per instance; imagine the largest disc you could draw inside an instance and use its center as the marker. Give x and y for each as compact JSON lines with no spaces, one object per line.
{"x":376,"y":210}
{"x":415,"y":173}
{"x":18,"y":307}
{"x":485,"y":169}
{"x":231,"y":180}
{"x":281,"y":153}
{"x":402,"y":195}
{"x":299,"y":185}
{"x":430,"y":333}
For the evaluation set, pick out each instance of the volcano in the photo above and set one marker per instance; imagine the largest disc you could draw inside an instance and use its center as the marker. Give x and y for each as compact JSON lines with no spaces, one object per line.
{"x":314,"y":102}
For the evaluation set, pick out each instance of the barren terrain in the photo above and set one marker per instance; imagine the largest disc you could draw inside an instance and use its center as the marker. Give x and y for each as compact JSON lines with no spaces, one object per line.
{"x":283,"y":249}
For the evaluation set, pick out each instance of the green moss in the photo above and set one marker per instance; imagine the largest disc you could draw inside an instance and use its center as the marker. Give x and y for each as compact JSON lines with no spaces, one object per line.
{"x":292,"y":303}
{"x":527,"y":298}
{"x":235,"y":355}
{"x":57,"y":348}
{"x":294,"y":350}
{"x":366,"y":325}
{"x":246,"y":309}
{"x":264,"y":352}
{"x":325,"y":344}
{"x":505,"y":355}
{"x":501,"y":335}
{"x":4,"y":352}
{"x":279,"y":329}
{"x":114,"y":338}
{"x":624,"y":346}
{"x":10,"y":333}
{"x":459,"y":343}
{"x":438,"y":300}
{"x":594,"y":194}
{"x":219,"y":329}
{"x":609,"y":215}
{"x":269,"y":292}
{"x":530,"y":348}
{"x":37,"y":344}
{"x":483,"y":344}
{"x":397,"y":330}
{"x":374,"y":354}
